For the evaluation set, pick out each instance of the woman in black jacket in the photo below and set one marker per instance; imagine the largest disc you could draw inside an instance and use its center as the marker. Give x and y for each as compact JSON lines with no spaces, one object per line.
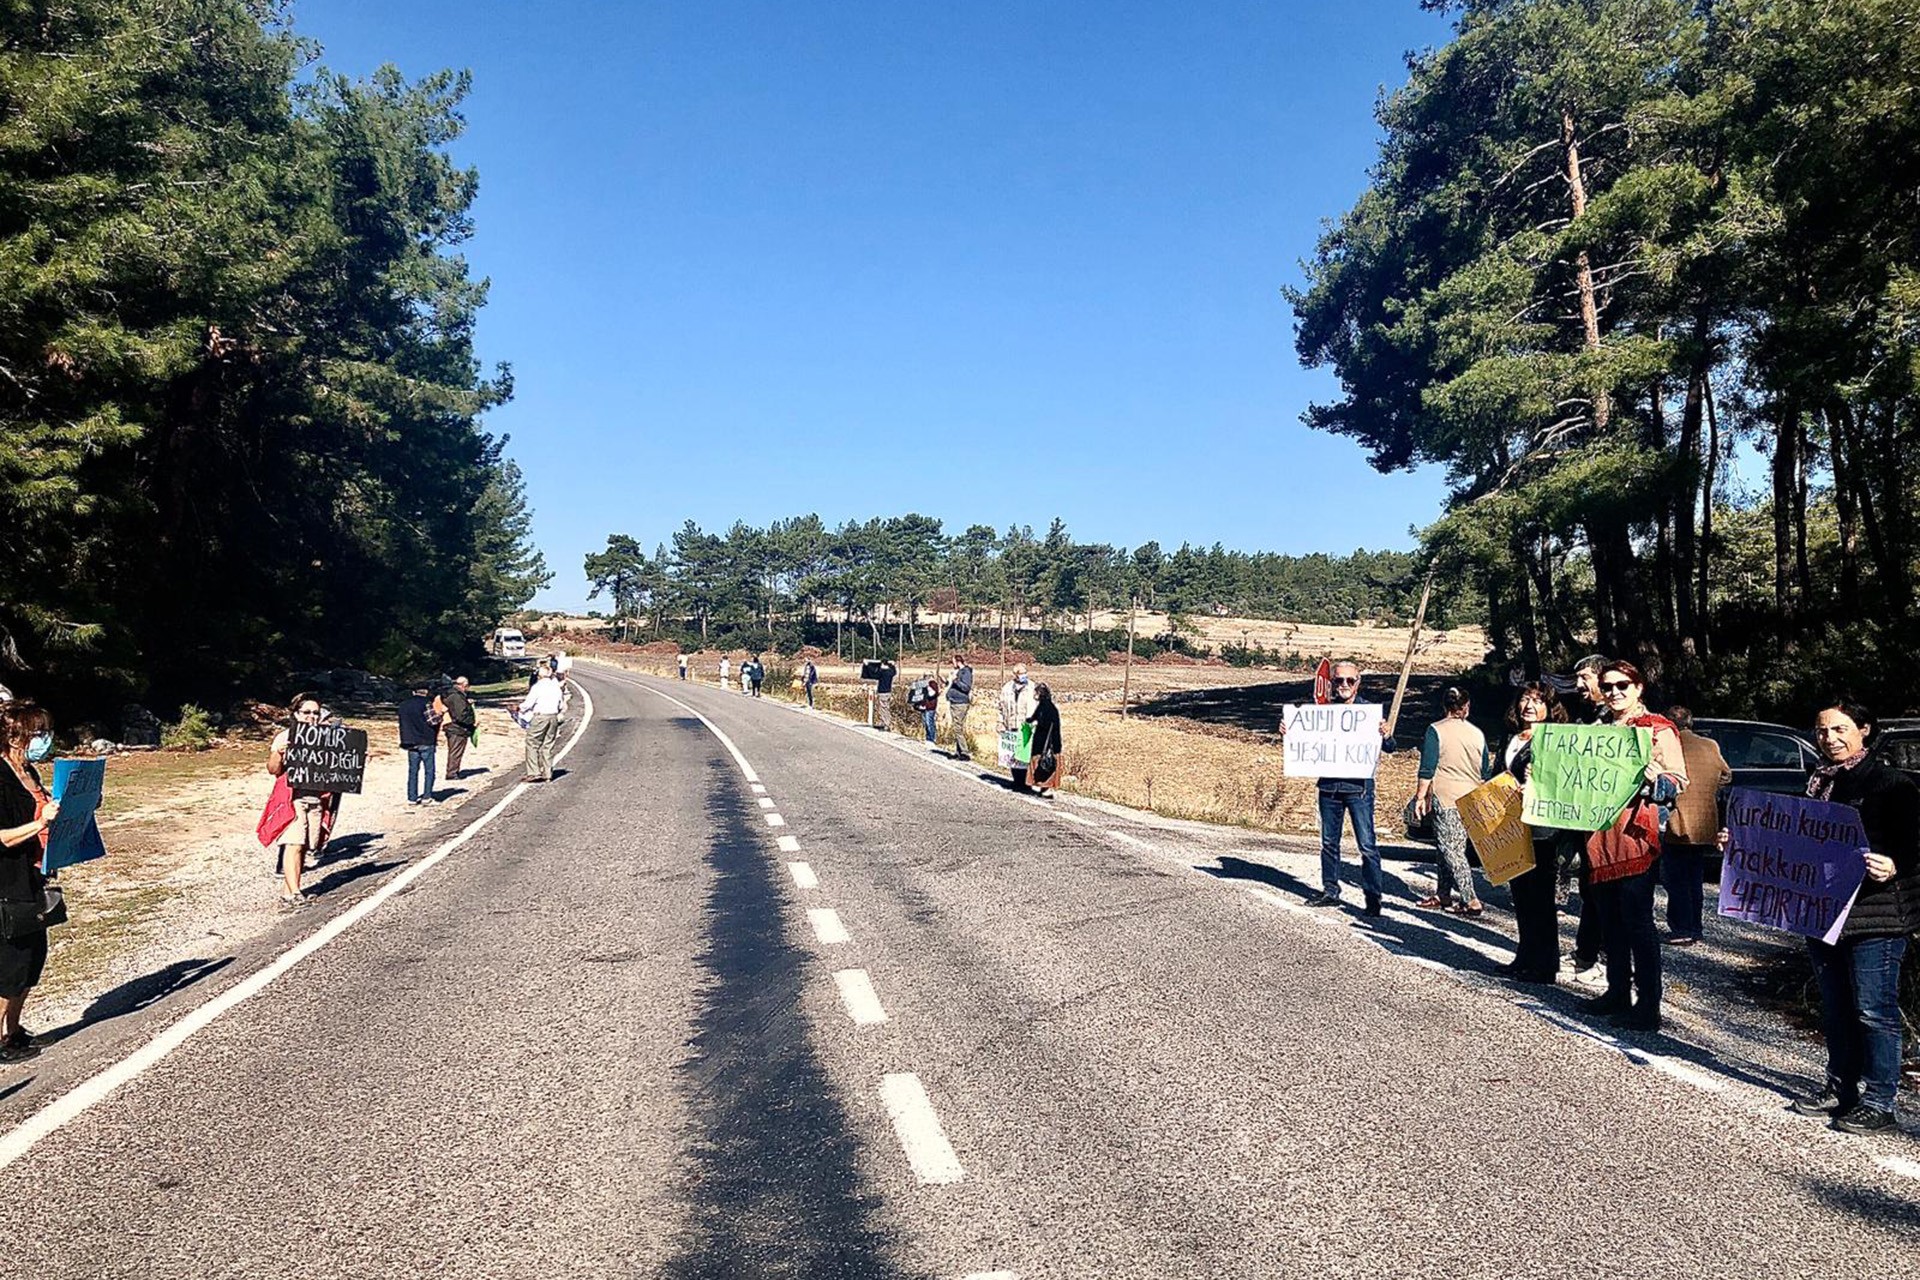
{"x":1859,"y":975}
{"x":1536,"y":903}
{"x":1046,"y":740}
{"x":25,"y":814}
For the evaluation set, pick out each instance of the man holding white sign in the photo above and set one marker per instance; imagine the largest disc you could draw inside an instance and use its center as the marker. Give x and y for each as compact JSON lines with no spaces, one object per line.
{"x":1340,"y":744}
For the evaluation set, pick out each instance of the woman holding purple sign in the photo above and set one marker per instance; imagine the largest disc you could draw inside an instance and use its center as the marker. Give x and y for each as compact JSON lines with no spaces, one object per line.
{"x":1859,"y":975}
{"x":26,"y":812}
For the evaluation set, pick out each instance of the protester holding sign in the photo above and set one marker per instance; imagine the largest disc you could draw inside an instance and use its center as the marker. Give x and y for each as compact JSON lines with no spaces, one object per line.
{"x":296,"y":820}
{"x":26,"y":811}
{"x":1017,"y":703}
{"x":1344,"y":795}
{"x":1620,"y":859}
{"x":1859,"y":973}
{"x":1536,"y":899}
{"x":1453,"y":762}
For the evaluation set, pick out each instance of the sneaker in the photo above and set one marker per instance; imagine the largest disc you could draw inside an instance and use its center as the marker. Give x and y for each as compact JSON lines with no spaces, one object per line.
{"x":1324,"y":900}
{"x":1865,"y":1119}
{"x":11,"y":1052}
{"x":20,"y":1039}
{"x":292,"y":901}
{"x":1372,"y":907}
{"x":1824,"y":1103}
{"x":1637,"y":1019}
{"x":1594,"y":975}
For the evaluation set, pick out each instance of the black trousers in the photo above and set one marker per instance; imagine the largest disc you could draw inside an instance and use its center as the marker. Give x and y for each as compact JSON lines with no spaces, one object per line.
{"x":1633,"y":945}
{"x":1590,"y":939}
{"x":1536,"y":911}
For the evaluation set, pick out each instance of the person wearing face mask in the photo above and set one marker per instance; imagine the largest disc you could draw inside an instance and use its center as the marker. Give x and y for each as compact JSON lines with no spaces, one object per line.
{"x":1018,"y":701}
{"x":26,"y":811}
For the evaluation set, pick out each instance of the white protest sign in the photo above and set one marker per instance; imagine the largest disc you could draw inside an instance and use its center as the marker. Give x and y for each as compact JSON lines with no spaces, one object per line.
{"x":1335,"y":740}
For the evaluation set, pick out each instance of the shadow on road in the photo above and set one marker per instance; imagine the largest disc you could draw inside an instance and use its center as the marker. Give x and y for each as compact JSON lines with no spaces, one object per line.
{"x":137,"y":994}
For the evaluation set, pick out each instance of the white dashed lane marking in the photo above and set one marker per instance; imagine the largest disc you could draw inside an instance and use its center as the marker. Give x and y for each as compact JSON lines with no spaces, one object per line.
{"x":766,"y":802}
{"x":803,"y":877}
{"x":827,"y":927}
{"x":775,"y":820}
{"x":919,"y":1131}
{"x":789,"y":844}
{"x":759,"y":789}
{"x":857,"y":993}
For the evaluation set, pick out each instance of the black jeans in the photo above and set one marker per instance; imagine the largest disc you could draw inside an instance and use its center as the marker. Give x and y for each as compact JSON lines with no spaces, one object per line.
{"x":1536,"y":911}
{"x":1683,"y":870}
{"x":1590,"y":938}
{"x":1633,"y":947}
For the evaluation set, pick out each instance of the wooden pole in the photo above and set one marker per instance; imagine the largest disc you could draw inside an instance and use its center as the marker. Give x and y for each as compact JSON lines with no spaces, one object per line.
{"x":1003,"y":646}
{"x":1126,"y":677}
{"x":1413,"y":645}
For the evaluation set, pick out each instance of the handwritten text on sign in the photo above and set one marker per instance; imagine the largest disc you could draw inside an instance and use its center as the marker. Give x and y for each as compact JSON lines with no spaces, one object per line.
{"x":1338,"y":740}
{"x":1791,"y":863}
{"x":74,"y":837}
{"x":1584,"y":774}
{"x":326,"y":757}
{"x":1491,"y":815}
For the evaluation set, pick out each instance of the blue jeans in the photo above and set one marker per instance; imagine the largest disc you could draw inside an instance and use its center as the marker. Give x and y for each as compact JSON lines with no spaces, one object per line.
{"x":1860,"y":1016}
{"x":420,"y":765}
{"x":1334,"y":808}
{"x":927,"y":718}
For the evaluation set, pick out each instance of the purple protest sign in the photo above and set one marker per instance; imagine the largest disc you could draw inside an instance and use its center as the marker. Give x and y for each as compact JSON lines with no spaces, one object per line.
{"x":1791,"y":863}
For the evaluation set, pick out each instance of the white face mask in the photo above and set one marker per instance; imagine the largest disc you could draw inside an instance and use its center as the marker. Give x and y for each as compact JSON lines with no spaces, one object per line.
{"x":39,"y":747}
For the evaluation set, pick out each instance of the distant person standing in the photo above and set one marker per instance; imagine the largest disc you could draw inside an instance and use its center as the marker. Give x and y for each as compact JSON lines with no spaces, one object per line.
{"x":296,"y":821}
{"x":1586,"y":706}
{"x":1693,"y":825}
{"x":683,"y":666}
{"x":928,"y":705}
{"x":1017,"y":702}
{"x":883,"y":696}
{"x":1453,"y":761}
{"x":1047,"y":742}
{"x":759,"y":675}
{"x":1344,"y":798}
{"x":419,"y":738}
{"x":725,"y":671}
{"x":541,"y":708}
{"x":458,"y":721}
{"x":809,"y":677}
{"x":959,"y":702}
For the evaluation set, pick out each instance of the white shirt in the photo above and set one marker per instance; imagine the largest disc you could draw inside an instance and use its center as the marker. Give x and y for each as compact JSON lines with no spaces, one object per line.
{"x":543,"y":699}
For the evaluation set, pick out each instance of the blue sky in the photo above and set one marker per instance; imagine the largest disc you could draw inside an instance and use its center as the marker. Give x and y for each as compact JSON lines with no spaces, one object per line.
{"x":751,"y":260}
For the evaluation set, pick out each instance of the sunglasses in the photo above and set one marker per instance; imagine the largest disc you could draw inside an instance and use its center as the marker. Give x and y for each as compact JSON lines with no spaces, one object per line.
{"x":1348,"y":680}
{"x":308,"y":715}
{"x":1616,"y":686}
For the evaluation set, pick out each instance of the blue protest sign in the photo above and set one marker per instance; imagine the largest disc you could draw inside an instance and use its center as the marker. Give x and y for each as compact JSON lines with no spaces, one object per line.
{"x":73,"y":836}
{"x":1791,"y":863}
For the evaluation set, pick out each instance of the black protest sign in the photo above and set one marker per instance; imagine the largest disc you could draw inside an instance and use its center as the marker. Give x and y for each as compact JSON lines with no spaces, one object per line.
{"x":326,"y":757}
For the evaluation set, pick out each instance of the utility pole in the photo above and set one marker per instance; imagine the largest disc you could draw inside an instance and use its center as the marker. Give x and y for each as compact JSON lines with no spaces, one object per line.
{"x":1413,"y":645}
{"x":1126,"y":677}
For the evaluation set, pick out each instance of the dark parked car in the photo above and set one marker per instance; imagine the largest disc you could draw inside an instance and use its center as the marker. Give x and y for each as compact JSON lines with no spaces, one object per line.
{"x":1897,"y":742}
{"x":1766,"y":757}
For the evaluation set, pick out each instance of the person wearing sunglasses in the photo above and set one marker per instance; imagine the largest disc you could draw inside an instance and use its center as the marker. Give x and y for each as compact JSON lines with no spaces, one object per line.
{"x":1344,"y":797}
{"x":1632,"y":997}
{"x":296,"y":821}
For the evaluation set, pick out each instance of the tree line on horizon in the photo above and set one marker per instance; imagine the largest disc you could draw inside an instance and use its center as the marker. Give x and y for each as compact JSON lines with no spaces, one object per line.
{"x":887,"y":571}
{"x":1607,"y":244}
{"x":239,"y":402}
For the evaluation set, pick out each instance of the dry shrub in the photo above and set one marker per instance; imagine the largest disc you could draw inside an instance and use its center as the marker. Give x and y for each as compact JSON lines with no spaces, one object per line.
{"x":1171,"y":659}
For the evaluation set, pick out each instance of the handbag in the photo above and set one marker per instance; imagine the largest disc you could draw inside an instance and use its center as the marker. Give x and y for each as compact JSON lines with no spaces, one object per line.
{"x":20,"y":920}
{"x":1044,"y":764}
{"x":53,"y":906}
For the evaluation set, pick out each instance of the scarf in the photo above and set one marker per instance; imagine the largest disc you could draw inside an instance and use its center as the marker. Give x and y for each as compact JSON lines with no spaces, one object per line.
{"x":1820,"y":781}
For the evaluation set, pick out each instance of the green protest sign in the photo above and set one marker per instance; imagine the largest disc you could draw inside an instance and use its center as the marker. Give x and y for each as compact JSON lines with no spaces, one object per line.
{"x":1583,"y":775}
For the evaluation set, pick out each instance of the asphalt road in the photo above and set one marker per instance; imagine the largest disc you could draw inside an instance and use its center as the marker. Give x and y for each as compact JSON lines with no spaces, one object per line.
{"x":616,"y":1032}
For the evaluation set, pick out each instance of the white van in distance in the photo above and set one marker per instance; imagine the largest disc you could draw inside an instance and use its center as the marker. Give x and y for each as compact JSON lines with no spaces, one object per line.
{"x":507,"y":643}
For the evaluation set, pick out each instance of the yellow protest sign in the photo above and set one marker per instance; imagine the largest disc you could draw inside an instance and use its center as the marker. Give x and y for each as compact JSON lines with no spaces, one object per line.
{"x":1491,"y":815}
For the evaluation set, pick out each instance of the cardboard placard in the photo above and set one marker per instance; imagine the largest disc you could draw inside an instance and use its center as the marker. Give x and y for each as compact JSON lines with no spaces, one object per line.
{"x":1338,"y":740}
{"x":1491,"y":815}
{"x":326,"y":757}
{"x":1584,"y":775}
{"x":1792,"y":863}
{"x":74,"y":836}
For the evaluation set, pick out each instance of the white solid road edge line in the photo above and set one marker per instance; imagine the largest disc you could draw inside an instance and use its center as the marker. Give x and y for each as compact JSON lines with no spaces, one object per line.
{"x":63,"y":1110}
{"x":858,"y":995}
{"x":827,"y":927}
{"x":803,"y":877}
{"x":746,"y":770}
{"x":918,"y":1129}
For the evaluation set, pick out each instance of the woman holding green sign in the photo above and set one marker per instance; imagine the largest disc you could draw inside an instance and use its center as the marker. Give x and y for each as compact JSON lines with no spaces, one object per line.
{"x":1626,"y":903}
{"x":1536,"y":904}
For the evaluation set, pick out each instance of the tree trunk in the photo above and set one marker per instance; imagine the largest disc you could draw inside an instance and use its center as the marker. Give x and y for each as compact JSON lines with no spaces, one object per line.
{"x":1704,"y":597}
{"x":1583,"y":264}
{"x":1686,"y":503}
{"x":1846,"y":505}
{"x":1786,"y":472}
